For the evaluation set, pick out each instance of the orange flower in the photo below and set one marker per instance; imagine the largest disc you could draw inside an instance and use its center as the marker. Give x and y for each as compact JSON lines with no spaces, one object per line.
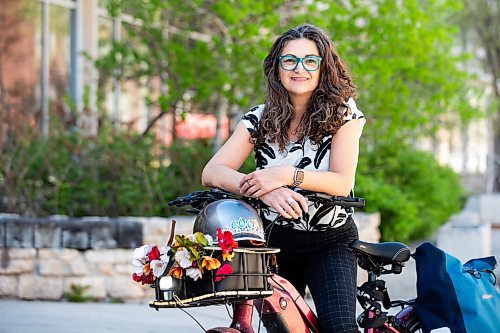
{"x":176,"y":272}
{"x":210,"y":263}
{"x":146,"y":269}
{"x":228,"y":256}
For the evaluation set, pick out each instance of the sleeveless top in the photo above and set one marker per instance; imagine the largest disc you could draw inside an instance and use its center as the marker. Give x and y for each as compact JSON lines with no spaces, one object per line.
{"x":305,"y":155}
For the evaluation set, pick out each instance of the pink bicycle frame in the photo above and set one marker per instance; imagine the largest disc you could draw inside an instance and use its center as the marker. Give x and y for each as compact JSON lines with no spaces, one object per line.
{"x":286,"y":307}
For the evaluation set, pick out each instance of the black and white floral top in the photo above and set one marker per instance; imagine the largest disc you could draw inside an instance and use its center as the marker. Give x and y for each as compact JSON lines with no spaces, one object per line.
{"x":305,"y":155}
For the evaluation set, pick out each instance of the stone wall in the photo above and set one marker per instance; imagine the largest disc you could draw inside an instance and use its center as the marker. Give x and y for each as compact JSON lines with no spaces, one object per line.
{"x":41,"y":259}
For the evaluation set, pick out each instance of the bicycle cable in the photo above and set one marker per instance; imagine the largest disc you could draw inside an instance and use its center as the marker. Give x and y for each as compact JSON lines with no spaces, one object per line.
{"x":227,"y":310}
{"x":192,"y":317}
{"x":260,"y":315}
{"x":177,"y":300}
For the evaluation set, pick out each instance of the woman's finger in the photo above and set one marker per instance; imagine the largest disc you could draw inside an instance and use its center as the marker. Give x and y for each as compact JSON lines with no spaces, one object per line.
{"x":247,"y":179}
{"x":252,"y":191}
{"x":287,"y":205}
{"x":296,"y":207}
{"x":302,"y":201}
{"x":244,"y":188}
{"x":282,"y":212}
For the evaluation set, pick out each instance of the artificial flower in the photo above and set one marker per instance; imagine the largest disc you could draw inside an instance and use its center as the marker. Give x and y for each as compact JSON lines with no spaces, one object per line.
{"x":189,"y":256}
{"x":226,"y":241}
{"x":183,"y":257}
{"x":137,"y":266}
{"x":147,"y":279}
{"x":223,"y":272}
{"x":141,"y":253}
{"x":193,"y":273}
{"x":146,"y":269}
{"x":209,"y":239}
{"x":164,"y":253}
{"x":175,"y":271}
{"x":136,"y":277}
{"x":228,"y":256}
{"x":210,"y":263}
{"x":191,"y":237}
{"x":154,"y":254}
{"x":158,"y":267}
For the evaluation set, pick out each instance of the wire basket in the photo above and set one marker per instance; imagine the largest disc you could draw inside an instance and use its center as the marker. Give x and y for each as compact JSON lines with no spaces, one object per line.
{"x":247,"y":281}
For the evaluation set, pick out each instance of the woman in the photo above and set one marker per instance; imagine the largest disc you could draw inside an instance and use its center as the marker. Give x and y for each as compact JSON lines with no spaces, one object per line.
{"x":305,"y":136}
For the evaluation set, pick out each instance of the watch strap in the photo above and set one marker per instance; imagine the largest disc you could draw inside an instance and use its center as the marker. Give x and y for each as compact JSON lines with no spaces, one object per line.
{"x":298,"y":177}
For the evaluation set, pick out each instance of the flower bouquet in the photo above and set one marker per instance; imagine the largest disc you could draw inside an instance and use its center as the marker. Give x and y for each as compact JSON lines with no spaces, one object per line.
{"x":191,"y":255}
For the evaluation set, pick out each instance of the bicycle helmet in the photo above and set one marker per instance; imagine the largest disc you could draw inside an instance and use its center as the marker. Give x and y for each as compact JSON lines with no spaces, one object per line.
{"x":229,"y":214}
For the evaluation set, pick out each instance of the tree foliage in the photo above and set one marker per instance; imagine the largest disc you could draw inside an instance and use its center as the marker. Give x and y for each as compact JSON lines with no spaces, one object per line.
{"x":402,"y":57}
{"x":481,"y":25}
{"x":207,"y":56}
{"x":210,"y":50}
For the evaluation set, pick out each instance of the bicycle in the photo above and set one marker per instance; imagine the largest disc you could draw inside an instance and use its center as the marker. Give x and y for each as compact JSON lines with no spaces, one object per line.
{"x":280,"y":307}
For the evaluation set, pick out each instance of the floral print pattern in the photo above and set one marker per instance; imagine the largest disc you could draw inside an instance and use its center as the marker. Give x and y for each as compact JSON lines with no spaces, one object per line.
{"x":305,"y":155}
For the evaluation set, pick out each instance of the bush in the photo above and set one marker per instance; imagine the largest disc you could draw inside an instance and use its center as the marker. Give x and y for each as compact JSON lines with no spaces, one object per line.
{"x":119,"y":174}
{"x":412,"y":192}
{"x":111,"y":175}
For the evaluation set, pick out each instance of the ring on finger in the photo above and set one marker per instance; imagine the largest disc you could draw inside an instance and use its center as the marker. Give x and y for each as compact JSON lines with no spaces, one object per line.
{"x":249,"y":182}
{"x":290,"y":201}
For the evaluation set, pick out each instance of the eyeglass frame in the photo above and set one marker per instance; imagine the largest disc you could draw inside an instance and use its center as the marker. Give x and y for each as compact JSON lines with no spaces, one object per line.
{"x":299,"y":61}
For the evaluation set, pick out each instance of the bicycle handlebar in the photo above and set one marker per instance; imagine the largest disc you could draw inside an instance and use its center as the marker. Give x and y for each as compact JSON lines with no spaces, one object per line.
{"x":199,"y":199}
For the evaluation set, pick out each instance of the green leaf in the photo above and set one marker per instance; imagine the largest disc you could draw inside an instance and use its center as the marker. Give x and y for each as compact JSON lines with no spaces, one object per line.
{"x":200,"y":238}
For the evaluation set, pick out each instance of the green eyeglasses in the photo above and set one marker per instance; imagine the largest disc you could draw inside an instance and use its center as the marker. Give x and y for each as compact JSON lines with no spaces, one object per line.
{"x":290,"y":62}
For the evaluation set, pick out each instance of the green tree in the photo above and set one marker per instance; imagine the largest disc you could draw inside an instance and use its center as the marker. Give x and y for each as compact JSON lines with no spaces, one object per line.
{"x":402,"y":59}
{"x":401,"y":55}
{"x":481,"y":24}
{"x":209,"y":51}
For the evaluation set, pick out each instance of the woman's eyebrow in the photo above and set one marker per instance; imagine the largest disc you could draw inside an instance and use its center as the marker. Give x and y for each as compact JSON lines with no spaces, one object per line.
{"x":307,"y":55}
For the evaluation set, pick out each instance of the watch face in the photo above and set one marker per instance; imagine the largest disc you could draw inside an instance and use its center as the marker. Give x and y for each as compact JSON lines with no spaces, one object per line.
{"x":299,"y":176}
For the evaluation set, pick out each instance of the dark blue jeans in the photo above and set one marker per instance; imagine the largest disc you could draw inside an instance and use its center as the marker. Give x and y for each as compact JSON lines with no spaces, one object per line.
{"x":322,"y":261}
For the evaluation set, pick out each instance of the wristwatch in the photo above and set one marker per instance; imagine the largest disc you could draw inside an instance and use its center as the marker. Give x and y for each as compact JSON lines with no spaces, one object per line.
{"x":298,"y":177}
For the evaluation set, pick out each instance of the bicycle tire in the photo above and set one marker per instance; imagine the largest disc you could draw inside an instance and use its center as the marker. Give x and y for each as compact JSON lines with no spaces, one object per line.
{"x":223,"y":330}
{"x":410,"y":323}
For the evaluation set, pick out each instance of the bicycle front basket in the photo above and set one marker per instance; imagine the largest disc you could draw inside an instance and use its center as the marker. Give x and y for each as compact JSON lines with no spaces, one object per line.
{"x":247,"y":281}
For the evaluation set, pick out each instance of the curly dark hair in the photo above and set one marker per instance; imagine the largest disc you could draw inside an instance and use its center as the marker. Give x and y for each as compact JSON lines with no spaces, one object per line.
{"x":326,"y":109}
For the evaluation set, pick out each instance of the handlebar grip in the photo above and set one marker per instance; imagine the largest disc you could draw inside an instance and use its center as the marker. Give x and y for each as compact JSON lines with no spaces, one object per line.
{"x":356,"y":203}
{"x":174,"y":202}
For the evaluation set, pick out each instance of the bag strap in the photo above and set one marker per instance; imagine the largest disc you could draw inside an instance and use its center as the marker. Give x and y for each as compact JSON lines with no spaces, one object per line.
{"x":477,"y":274}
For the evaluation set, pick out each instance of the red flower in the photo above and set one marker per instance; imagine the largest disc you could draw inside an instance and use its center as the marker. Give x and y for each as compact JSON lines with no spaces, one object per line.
{"x":226,"y":241}
{"x":136,"y":278}
{"x":154,"y":254}
{"x":223,"y":271}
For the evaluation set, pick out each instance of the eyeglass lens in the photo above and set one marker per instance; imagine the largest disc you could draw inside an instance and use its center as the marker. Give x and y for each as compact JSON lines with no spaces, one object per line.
{"x":290,"y":62}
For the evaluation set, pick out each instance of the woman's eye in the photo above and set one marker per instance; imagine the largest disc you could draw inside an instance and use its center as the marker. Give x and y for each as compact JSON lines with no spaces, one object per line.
{"x":289,"y":61}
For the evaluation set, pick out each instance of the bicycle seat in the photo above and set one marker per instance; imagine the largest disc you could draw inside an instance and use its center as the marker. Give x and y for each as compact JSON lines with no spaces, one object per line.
{"x":387,"y":251}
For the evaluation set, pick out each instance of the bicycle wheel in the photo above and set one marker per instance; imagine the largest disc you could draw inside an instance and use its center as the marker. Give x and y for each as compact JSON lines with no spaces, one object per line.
{"x":406,"y":321}
{"x":223,"y":330}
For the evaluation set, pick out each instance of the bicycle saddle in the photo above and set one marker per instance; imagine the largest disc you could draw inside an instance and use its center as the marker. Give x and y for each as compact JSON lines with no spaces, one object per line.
{"x":387,"y":251}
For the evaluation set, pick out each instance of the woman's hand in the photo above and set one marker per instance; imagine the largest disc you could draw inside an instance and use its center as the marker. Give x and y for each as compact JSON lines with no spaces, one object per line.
{"x":288,"y":203}
{"x":260,"y":182}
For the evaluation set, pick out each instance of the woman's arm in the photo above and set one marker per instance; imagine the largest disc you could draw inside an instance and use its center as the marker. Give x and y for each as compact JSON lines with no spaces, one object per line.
{"x":343,"y":162}
{"x":338,"y":181}
{"x":222,"y":172}
{"x":222,"y":169}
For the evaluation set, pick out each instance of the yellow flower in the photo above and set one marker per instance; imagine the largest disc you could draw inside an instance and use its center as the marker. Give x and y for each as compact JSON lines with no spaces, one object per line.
{"x":228,"y":256}
{"x":210,"y":263}
{"x":176,"y":272}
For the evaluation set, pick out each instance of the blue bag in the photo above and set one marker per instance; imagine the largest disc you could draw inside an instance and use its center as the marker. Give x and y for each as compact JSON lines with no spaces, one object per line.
{"x":461,"y":297}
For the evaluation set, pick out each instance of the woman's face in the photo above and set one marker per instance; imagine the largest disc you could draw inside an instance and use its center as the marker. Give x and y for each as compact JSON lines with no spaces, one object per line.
{"x":300,"y":82}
